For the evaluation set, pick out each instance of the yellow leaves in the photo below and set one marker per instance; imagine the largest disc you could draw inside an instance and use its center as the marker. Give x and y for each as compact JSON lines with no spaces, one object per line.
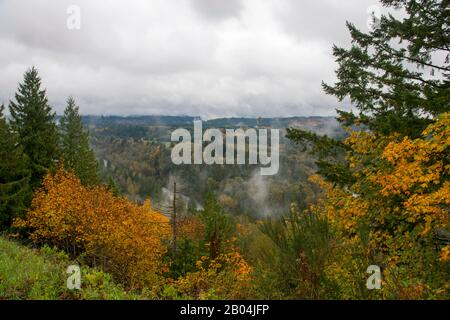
{"x":430,"y":203}
{"x":408,"y":173}
{"x":125,"y":238}
{"x":401,"y":191}
{"x":228,"y":275}
{"x":320,"y":182}
{"x":440,"y":129}
{"x":342,"y":208}
{"x":417,"y":172}
{"x":199,"y":264}
{"x":444,"y":255}
{"x":395,"y":151}
{"x":189,"y":227}
{"x":362,"y":142}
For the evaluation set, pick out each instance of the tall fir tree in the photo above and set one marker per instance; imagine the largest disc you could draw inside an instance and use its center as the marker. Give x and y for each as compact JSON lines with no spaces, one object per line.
{"x":218,"y":225}
{"x":76,"y":152}
{"x":15,"y":193}
{"x":34,"y":122}
{"x":397,"y":76}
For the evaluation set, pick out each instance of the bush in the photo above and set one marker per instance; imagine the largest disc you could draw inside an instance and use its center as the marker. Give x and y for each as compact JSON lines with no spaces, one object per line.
{"x":109,"y":232}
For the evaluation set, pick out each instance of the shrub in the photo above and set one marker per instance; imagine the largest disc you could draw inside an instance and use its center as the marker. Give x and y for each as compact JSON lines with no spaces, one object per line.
{"x":110,"y":232}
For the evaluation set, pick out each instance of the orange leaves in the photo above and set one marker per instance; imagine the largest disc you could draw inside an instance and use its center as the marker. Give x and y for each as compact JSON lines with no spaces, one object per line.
{"x":418,"y":172}
{"x":232,"y":261}
{"x":389,"y":214}
{"x":410,"y":160}
{"x":401,"y":191}
{"x":431,"y":206}
{"x":400,"y":151}
{"x":120,"y":236}
{"x":342,"y":208}
{"x":189,"y":227}
{"x":445,"y":254}
{"x":228,"y":277}
{"x":420,"y":162}
{"x":362,"y":142}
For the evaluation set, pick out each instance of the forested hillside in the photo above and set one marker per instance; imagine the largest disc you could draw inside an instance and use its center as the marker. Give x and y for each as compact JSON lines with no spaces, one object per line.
{"x":137,"y":156}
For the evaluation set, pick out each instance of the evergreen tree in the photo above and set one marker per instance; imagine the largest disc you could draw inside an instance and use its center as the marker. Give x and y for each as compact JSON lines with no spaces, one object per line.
{"x":76,"y":152}
{"x":219,"y":226}
{"x":112,"y":186}
{"x":33,"y":122}
{"x":14,"y":175}
{"x":397,"y":76}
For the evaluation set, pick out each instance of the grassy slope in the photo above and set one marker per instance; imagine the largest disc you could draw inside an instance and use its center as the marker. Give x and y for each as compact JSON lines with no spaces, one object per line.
{"x":41,"y":274}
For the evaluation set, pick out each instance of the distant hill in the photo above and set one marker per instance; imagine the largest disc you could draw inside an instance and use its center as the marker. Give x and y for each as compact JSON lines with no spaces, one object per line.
{"x":136,"y":152}
{"x":159,"y":127}
{"x":139,"y":120}
{"x":139,"y":124}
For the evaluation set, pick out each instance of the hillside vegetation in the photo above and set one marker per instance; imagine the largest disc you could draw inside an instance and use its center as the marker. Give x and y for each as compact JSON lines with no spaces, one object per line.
{"x":27,"y":273}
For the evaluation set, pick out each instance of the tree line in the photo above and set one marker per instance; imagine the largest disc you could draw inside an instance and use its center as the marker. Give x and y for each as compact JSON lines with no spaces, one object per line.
{"x":32,"y":143}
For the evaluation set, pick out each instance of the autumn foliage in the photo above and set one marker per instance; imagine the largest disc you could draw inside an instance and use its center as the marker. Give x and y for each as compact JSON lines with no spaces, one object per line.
{"x":110,"y":232}
{"x":226,"y":277}
{"x":389,"y":215}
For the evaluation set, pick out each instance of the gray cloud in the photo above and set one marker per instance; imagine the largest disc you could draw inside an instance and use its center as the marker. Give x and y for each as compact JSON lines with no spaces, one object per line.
{"x":201,"y":57}
{"x":218,"y":9}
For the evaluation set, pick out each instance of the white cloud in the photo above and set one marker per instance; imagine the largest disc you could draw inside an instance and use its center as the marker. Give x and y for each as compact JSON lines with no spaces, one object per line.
{"x":201,"y":57}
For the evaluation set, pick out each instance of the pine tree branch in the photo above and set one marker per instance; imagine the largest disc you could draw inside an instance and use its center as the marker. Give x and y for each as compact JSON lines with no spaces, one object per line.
{"x":398,"y":55}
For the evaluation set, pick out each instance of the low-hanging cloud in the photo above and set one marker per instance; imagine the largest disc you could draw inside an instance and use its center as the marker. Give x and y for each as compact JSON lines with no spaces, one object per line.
{"x":200,"y":57}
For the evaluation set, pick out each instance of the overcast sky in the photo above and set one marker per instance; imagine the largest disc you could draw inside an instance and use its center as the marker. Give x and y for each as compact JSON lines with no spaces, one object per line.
{"x":211,"y":58}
